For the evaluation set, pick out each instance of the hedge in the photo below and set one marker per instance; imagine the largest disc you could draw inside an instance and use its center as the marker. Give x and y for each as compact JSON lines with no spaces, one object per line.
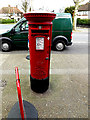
{"x":83,"y":21}
{"x":6,"y":21}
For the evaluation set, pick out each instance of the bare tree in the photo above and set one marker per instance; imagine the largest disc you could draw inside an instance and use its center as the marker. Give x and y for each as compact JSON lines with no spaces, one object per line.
{"x":77,"y":3}
{"x":24,"y":5}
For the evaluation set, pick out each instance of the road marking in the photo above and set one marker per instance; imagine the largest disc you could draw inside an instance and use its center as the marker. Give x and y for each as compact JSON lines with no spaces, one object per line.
{"x":81,"y":42}
{"x":52,"y":71}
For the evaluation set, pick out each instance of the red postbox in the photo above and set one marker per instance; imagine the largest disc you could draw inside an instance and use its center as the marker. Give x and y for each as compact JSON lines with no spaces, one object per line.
{"x":40,"y":34}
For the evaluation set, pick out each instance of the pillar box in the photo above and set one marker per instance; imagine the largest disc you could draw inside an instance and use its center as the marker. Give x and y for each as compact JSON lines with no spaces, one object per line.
{"x":40,"y":35}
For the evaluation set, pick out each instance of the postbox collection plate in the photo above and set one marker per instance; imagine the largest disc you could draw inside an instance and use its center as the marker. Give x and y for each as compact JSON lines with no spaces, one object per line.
{"x":39,"y":43}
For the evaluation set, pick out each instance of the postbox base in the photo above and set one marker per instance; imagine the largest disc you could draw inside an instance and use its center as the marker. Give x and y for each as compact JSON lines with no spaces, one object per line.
{"x":39,"y":86}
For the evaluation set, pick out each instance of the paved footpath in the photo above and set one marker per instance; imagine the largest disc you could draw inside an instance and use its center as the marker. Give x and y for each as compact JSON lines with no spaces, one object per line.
{"x":67,"y":96}
{"x":2,"y":60}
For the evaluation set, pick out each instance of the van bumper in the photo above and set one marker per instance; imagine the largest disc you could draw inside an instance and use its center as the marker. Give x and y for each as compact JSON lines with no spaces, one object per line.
{"x":69,"y":43}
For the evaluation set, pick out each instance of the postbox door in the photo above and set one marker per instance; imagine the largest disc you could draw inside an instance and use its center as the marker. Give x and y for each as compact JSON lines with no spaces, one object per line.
{"x":40,"y":56}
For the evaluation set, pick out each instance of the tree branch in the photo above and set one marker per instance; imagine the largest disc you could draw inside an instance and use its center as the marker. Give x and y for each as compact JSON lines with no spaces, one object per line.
{"x":78,"y":1}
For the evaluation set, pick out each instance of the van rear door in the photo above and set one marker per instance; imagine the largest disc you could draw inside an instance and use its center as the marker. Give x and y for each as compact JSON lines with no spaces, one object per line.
{"x":62,"y":26}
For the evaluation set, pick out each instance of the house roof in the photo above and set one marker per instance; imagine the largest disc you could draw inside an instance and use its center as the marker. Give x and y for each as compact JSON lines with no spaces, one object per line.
{"x":85,"y":7}
{"x":10,"y":10}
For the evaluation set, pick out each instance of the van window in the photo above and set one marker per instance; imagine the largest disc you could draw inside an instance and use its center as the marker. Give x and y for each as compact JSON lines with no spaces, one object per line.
{"x":24,"y":26}
{"x":17,"y":28}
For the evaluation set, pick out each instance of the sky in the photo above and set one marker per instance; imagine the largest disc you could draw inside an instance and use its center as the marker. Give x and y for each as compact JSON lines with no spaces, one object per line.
{"x":46,"y":4}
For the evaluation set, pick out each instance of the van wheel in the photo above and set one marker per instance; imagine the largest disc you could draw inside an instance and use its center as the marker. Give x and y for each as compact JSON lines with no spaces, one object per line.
{"x":59,"y":45}
{"x":5,"y":46}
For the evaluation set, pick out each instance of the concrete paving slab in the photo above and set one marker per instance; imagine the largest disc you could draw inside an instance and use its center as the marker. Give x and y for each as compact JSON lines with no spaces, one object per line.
{"x":67,"y":96}
{"x":58,"y":61}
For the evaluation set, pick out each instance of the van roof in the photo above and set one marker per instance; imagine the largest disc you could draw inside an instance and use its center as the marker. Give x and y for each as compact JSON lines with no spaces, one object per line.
{"x":63,"y":15}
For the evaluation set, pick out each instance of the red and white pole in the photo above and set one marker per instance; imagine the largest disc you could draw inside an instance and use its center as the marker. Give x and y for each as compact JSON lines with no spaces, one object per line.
{"x":19,"y":93}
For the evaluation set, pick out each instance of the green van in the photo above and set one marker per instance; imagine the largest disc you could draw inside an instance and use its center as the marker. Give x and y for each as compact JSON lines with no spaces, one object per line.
{"x":18,"y":35}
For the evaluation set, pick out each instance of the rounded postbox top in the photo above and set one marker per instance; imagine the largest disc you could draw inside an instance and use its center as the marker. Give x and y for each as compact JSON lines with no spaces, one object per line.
{"x":39,"y":17}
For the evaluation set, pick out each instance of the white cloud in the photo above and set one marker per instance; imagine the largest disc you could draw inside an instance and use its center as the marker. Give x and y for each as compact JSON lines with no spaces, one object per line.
{"x":5,"y":3}
{"x":51,"y":4}
{"x":47,"y":4}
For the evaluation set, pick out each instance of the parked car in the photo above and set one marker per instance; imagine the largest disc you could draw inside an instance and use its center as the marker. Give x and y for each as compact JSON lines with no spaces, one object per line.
{"x":18,"y":35}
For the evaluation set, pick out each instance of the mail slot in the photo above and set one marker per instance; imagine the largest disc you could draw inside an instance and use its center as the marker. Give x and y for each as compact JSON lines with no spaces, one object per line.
{"x":40,"y":35}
